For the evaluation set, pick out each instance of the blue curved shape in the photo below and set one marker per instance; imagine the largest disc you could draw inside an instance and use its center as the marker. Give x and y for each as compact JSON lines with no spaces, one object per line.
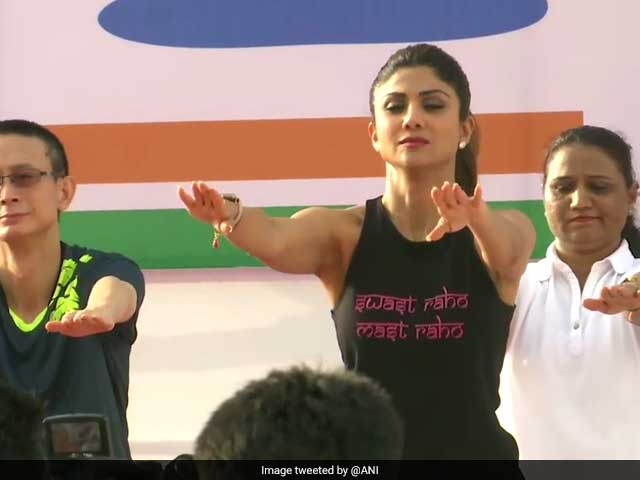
{"x":266,"y":23}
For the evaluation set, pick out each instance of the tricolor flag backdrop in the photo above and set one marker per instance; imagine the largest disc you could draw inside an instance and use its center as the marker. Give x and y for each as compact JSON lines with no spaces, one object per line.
{"x":268,"y":99}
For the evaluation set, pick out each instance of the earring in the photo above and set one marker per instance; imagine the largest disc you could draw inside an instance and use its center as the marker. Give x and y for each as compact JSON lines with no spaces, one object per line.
{"x":462,"y":144}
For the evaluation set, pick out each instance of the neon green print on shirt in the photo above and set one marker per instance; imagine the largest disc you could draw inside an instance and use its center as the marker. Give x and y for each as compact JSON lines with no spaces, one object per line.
{"x":67,"y":300}
{"x":65,"y":296}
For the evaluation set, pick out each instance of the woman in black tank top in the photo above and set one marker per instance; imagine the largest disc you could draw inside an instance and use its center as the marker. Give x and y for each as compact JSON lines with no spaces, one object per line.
{"x":422,"y":278}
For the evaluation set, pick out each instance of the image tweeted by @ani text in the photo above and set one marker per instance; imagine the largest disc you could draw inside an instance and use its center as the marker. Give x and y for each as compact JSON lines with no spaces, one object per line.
{"x":334,"y":470}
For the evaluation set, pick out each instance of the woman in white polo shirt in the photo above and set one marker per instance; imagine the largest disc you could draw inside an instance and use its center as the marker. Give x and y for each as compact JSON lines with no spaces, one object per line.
{"x":572,"y":373}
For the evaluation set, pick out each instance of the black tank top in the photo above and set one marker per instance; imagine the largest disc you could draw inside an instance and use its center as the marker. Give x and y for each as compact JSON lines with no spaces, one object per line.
{"x":425,"y":320}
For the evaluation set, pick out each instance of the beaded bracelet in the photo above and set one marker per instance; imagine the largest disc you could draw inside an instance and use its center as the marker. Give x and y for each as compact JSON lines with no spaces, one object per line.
{"x":233,"y":198}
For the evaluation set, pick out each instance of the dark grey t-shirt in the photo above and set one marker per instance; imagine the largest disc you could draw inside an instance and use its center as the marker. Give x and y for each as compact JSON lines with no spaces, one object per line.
{"x":76,"y":375}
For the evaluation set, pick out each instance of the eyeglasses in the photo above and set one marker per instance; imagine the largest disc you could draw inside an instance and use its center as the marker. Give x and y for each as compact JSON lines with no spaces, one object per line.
{"x":25,"y":178}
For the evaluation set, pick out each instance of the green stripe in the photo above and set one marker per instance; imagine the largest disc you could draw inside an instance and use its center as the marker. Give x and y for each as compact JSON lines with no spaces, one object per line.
{"x":27,"y":327}
{"x":172,"y":239}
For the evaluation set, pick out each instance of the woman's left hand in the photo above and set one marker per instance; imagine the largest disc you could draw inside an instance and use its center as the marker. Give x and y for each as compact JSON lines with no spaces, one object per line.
{"x":619,"y":298}
{"x":455,"y":207}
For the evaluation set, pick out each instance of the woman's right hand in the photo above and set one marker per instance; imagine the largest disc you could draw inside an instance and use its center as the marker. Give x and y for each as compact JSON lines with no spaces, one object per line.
{"x":206,"y":205}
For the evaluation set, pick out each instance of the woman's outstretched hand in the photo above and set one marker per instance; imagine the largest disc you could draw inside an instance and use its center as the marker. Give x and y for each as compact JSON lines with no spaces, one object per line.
{"x":455,"y":207}
{"x":207,"y":205}
{"x":619,"y":298}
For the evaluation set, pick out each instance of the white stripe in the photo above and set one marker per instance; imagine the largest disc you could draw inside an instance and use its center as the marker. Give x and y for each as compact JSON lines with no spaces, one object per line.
{"x":512,"y":186}
{"x":263,"y":193}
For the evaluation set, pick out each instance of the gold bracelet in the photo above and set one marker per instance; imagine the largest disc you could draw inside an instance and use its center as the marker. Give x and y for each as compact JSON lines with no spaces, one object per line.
{"x":233,"y":198}
{"x":635,"y":278}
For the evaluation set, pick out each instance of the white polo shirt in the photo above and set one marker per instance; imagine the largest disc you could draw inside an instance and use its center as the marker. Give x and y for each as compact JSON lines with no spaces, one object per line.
{"x":571,"y":381}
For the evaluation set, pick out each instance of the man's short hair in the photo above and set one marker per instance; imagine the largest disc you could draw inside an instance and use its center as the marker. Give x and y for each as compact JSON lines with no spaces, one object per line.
{"x":54,"y":148}
{"x":21,"y":429}
{"x":304,"y":414}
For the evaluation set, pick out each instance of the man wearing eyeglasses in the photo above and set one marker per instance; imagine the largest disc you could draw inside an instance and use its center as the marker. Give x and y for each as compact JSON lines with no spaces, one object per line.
{"x":67,"y":313}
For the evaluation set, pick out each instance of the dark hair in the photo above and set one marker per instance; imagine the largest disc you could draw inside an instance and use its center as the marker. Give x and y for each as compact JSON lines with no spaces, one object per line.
{"x":21,"y":430}
{"x":303,"y":414}
{"x":618,"y":150}
{"x":54,"y":148}
{"x":449,"y":71}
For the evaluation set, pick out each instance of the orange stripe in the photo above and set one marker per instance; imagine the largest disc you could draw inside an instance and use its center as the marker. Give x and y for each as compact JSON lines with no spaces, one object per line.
{"x":280,"y":149}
